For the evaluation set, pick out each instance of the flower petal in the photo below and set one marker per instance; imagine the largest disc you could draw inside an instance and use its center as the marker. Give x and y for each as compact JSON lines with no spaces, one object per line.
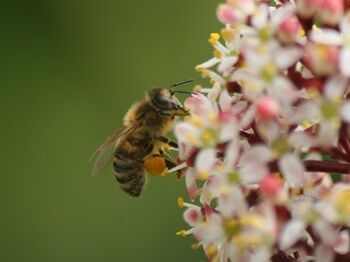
{"x":343,"y":242}
{"x":225,"y":101}
{"x":345,"y":112}
{"x":214,"y":91}
{"x":257,"y":154}
{"x":191,"y":184}
{"x":335,"y":88}
{"x":324,"y":254}
{"x":293,"y":170}
{"x":344,"y":61}
{"x":205,"y":161}
{"x":285,"y":57}
{"x":226,"y":66}
{"x":326,"y":36}
{"x":193,"y":216}
{"x":291,"y":233}
{"x":187,"y":133}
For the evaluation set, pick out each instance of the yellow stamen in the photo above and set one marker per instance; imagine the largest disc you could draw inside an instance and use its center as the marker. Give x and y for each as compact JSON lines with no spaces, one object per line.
{"x":329,"y":110}
{"x":199,"y":69}
{"x":269,"y":71}
{"x":233,"y":177}
{"x":204,"y":175}
{"x":207,"y":136}
{"x":342,"y":204}
{"x":253,"y":221}
{"x":164,"y":172}
{"x":196,"y":121}
{"x":202,"y":70}
{"x":306,"y":124}
{"x":180,"y":202}
{"x":265,"y":33}
{"x":247,"y":241}
{"x":211,"y":251}
{"x":227,"y":35}
{"x":181,"y":233}
{"x":212,"y":81}
{"x":232,"y":227}
{"x":197,"y":88}
{"x":195,"y":246}
{"x":212,"y":117}
{"x":217,"y":54}
{"x":214,"y":38}
{"x":280,"y":146}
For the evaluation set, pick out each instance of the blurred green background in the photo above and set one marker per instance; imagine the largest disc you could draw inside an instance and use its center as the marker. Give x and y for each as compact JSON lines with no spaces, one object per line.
{"x":69,"y":71}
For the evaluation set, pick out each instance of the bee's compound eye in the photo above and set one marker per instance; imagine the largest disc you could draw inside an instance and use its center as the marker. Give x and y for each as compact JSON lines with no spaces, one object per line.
{"x":162,"y":102}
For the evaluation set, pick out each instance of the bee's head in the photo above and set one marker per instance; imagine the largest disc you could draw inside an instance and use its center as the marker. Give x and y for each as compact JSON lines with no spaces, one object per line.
{"x":165,"y":102}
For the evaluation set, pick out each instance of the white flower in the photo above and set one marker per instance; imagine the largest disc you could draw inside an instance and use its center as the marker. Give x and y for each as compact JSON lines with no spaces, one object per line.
{"x":265,"y":137}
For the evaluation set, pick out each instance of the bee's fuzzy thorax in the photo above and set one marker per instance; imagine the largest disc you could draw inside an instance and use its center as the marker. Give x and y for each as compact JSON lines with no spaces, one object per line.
{"x":148,"y":117}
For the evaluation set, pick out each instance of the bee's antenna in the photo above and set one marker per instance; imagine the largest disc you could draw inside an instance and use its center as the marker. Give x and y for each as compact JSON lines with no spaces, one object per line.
{"x":182,"y":92}
{"x":182,"y":82}
{"x":172,"y":92}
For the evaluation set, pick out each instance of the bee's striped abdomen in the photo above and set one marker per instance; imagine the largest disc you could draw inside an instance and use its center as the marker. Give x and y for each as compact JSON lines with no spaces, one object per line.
{"x":128,"y":165}
{"x":130,"y":175}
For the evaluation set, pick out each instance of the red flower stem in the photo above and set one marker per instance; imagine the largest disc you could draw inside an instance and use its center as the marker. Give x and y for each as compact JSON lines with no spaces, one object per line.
{"x":345,"y":127}
{"x":319,"y":166}
{"x":256,"y":132}
{"x":343,"y":139}
{"x":313,"y":236}
{"x":252,"y":138}
{"x":339,"y":154}
{"x":327,"y":166}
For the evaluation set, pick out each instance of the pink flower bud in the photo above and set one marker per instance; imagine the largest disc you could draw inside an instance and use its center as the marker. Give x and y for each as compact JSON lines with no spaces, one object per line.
{"x":226,"y":14}
{"x":289,"y":30}
{"x":225,"y":116}
{"x":307,"y":8}
{"x":271,"y":185}
{"x":321,"y":59}
{"x":331,"y":11}
{"x":266,"y":108}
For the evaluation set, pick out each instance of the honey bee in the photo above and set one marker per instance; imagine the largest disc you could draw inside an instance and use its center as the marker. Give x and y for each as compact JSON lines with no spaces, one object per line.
{"x":141,"y":137}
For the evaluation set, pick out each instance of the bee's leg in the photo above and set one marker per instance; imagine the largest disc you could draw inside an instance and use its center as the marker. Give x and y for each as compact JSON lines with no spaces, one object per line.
{"x":167,"y":141}
{"x":148,"y":149}
{"x":170,"y":163}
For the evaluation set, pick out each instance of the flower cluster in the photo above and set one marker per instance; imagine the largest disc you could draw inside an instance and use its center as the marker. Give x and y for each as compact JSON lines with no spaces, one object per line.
{"x":267,"y":144}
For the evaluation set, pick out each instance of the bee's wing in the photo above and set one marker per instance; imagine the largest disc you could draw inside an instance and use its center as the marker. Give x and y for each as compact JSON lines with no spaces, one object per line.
{"x":104,"y":154}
